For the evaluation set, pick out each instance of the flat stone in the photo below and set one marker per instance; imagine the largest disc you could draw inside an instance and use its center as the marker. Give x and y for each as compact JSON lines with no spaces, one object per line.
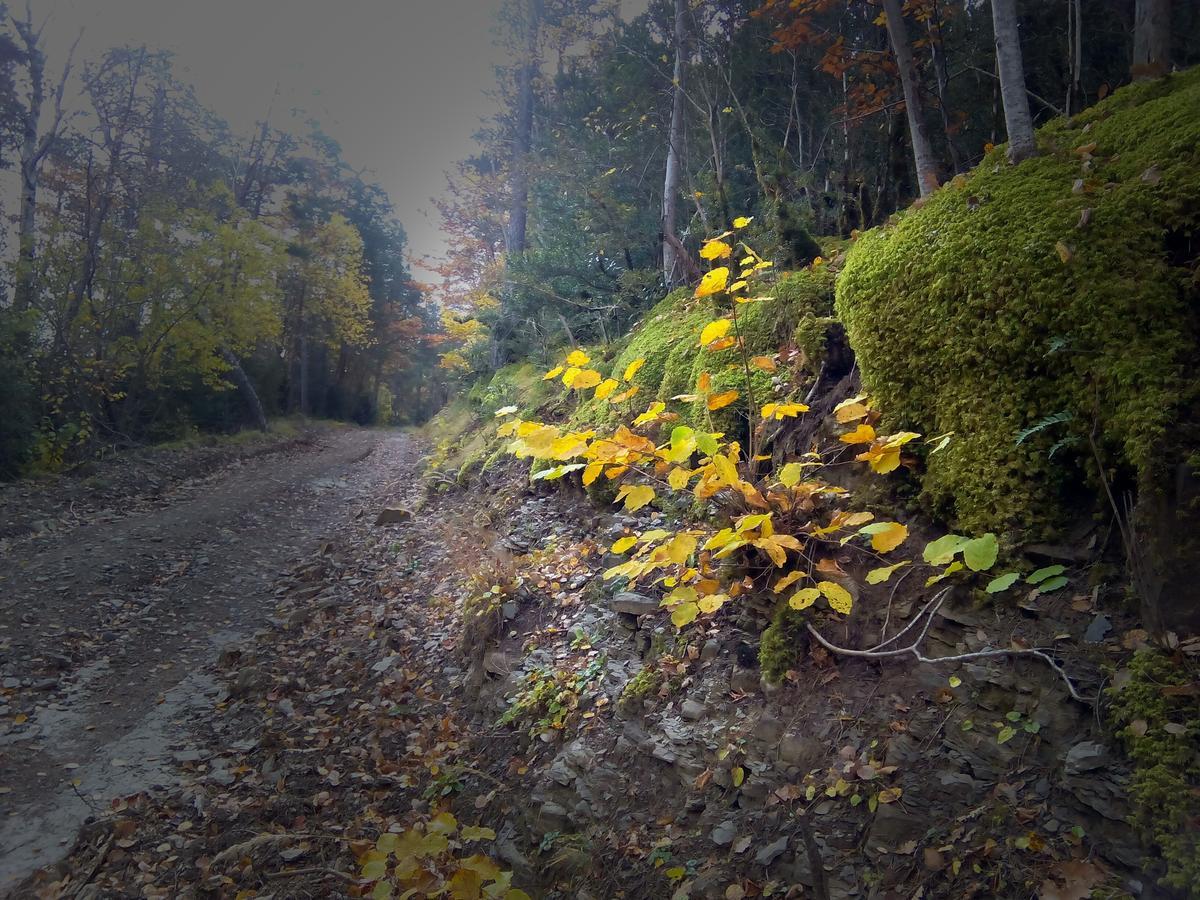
{"x":634,"y":604}
{"x":771,"y":852}
{"x":723,"y":834}
{"x":1085,"y":756}
{"x":743,"y":681}
{"x":392,"y":515}
{"x":768,"y":729}
{"x":1096,"y":631}
{"x":711,"y":650}
{"x":691,"y":710}
{"x":800,"y":750}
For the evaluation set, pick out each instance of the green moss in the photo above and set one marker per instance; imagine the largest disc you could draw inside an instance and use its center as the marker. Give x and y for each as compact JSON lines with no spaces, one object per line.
{"x":781,"y":642}
{"x":964,"y":317}
{"x":646,"y":682}
{"x":1166,"y":779}
{"x":667,"y":340}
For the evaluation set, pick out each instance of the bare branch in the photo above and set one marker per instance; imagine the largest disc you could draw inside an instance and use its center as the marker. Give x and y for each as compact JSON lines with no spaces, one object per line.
{"x":927,"y":613}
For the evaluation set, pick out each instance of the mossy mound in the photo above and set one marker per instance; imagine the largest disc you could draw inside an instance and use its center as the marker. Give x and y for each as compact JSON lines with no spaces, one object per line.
{"x":1060,"y":291}
{"x":667,"y":339}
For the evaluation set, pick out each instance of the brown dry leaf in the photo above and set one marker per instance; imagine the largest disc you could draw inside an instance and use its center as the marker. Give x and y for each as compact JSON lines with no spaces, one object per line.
{"x":1071,"y":880}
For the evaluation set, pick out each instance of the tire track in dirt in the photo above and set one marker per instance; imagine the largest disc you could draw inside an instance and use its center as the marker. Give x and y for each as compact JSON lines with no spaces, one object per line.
{"x":104,"y":633}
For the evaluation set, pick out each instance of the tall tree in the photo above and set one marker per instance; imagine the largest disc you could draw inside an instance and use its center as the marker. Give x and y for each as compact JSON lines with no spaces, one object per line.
{"x":527,"y":67}
{"x":927,"y":178}
{"x":1151,"y":39}
{"x":34,"y":147}
{"x":674,"y":149}
{"x":1017,"y":120}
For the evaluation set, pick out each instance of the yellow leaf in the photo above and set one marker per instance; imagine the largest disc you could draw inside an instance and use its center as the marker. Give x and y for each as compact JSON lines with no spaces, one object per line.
{"x":623,"y":544}
{"x":890,"y":795}
{"x":882,"y":574}
{"x":715,"y":250}
{"x":704,"y":382}
{"x":713,"y":282}
{"x":766,"y":363}
{"x":684,"y":613}
{"x":553,"y":373}
{"x":737,"y":286}
{"x":625,"y":395}
{"x":678,"y":478}
{"x":443,"y":823}
{"x":851,"y":409}
{"x":477,"y":833}
{"x":1065,"y":253}
{"x":578,"y":358}
{"x":592,"y":471}
{"x":791,"y":474}
{"x":504,"y":411}
{"x":586,"y":378}
{"x":709,"y":605}
{"x":787,"y":581}
{"x":723,"y":344}
{"x":569,"y":375}
{"x":804,"y":598}
{"x":635,"y":495}
{"x":720,"y":401}
{"x":651,"y":413}
{"x":606,"y":387}
{"x":839,"y":598}
{"x":779,"y":411}
{"x":714,"y":330}
{"x":863,"y":434}
{"x":889,"y":537}
{"x":632,"y":369}
{"x":742,"y":222}
{"x":739,"y":775}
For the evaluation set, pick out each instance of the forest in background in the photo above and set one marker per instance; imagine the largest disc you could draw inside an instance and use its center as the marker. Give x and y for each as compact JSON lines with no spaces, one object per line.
{"x":800,"y":114}
{"x":167,"y":275}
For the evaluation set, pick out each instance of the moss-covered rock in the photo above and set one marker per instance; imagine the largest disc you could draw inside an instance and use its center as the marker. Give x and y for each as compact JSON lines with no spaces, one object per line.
{"x":1062,"y":288}
{"x":1158,"y":721}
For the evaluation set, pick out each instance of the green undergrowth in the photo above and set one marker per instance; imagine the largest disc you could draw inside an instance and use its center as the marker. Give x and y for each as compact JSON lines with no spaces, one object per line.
{"x":800,"y":306}
{"x":1058,"y":293}
{"x":1158,"y":720}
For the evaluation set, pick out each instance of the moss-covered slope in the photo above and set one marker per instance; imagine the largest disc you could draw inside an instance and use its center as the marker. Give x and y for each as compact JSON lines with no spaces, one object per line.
{"x":1063,"y":287}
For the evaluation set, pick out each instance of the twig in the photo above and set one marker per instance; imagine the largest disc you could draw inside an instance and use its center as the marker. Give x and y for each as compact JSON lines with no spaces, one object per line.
{"x":312,"y":870}
{"x":913,"y":649}
{"x":96,"y":864}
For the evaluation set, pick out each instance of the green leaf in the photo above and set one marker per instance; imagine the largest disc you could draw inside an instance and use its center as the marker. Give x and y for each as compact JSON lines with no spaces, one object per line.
{"x":1006,"y":734}
{"x":880,"y":575}
{"x":967,"y":725}
{"x":980,"y":554}
{"x":1052,"y":584}
{"x":706,"y":443}
{"x":1013,"y":716}
{"x":1046,"y":572}
{"x":1002,"y":582}
{"x":941,"y":551}
{"x":955,"y":681}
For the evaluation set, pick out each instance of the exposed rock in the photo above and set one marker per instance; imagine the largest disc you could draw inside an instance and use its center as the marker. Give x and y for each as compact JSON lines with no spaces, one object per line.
{"x":800,"y":750}
{"x":723,"y":834}
{"x":894,"y":826}
{"x":691,"y":710}
{"x":743,"y":681}
{"x":768,"y":729}
{"x":1085,"y":757}
{"x":1096,"y":631}
{"x":633,"y":603}
{"x":711,"y":650}
{"x":771,"y":852}
{"x":393,"y":515}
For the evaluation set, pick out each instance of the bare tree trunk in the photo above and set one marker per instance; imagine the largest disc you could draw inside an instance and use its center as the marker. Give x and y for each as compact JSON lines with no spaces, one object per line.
{"x":1075,"y":53}
{"x":34,"y":150}
{"x":518,"y":213}
{"x":242,"y":380}
{"x":927,"y":179}
{"x":1151,"y":39}
{"x":671,"y":179}
{"x":938,"y":50}
{"x":1017,"y":119}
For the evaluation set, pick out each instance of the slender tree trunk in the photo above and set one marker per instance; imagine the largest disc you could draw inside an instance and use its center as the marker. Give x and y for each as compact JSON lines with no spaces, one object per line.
{"x":303,"y":374}
{"x":242,"y":380}
{"x":938,"y":50}
{"x":927,"y":179}
{"x":523,"y":138}
{"x":1151,"y":39}
{"x":1017,"y":119}
{"x":671,"y":179}
{"x":35,"y":61}
{"x":1075,"y":52}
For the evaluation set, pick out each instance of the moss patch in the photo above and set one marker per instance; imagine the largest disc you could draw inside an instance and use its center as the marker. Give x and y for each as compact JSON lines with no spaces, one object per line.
{"x":1053,"y":287}
{"x":1161,"y":732}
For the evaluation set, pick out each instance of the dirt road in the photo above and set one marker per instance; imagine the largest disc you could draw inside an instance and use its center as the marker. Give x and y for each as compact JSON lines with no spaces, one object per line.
{"x":105,"y":629}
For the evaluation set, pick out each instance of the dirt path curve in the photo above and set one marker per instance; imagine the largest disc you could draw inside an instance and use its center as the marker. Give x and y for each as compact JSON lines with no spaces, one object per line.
{"x":105,"y":631}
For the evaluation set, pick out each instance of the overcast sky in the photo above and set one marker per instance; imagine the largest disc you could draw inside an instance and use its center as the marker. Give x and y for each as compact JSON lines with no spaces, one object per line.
{"x":400,"y":84}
